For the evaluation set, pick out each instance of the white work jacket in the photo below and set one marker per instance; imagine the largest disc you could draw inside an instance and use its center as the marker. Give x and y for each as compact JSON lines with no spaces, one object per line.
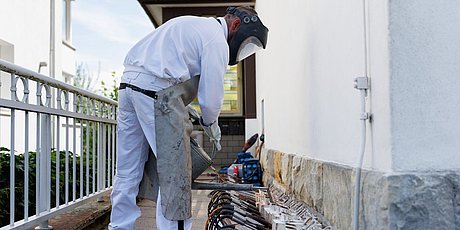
{"x":184,"y":47}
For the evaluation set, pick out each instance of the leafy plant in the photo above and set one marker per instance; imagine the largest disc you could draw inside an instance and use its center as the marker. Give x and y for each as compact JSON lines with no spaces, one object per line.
{"x":112,"y":91}
{"x":20,"y":185}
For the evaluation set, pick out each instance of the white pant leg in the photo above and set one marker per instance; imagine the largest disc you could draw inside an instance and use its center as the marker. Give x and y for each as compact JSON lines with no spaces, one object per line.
{"x":136,"y":129}
{"x":165,"y":224}
{"x":131,"y":158}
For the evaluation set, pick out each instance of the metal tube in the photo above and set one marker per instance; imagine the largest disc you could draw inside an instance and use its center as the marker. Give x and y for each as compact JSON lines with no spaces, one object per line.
{"x":47,"y":169}
{"x":52,"y":38}
{"x":66,"y":160}
{"x":114,"y":160}
{"x":26,"y":167}
{"x":214,"y":186}
{"x":74,"y":162}
{"x":12,"y":169}
{"x":99,"y":171}
{"x":109,"y":152}
{"x":5,"y":103}
{"x":52,"y":70}
{"x":29,"y":74}
{"x":37,"y":168}
{"x":58,"y":158}
{"x":94,"y":156}
{"x":87,"y":157}
{"x":81,"y":159}
{"x":104,"y":154}
{"x":360,"y":162}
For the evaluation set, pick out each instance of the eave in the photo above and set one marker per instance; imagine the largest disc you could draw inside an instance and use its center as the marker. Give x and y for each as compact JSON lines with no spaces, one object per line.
{"x":155,"y":8}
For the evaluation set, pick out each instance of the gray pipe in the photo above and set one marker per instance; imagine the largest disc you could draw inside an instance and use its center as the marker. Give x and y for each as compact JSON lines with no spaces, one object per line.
{"x":362,"y":84}
{"x":216,"y":186}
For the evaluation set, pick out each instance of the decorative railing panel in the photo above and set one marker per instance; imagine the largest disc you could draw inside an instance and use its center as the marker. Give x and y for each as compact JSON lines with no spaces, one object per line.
{"x":59,"y":142}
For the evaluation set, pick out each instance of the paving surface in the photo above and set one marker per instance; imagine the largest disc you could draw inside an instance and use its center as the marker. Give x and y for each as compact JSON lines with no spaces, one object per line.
{"x":199,"y":212}
{"x":96,"y":215}
{"x":200,"y":202}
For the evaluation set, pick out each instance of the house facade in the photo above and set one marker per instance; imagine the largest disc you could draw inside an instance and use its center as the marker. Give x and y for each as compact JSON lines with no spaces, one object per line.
{"x":27,"y":41}
{"x":357,"y":102}
{"x":36,"y":35}
{"x":311,"y":114}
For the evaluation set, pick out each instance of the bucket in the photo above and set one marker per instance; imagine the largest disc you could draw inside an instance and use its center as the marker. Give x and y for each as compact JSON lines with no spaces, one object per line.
{"x":200,"y":159}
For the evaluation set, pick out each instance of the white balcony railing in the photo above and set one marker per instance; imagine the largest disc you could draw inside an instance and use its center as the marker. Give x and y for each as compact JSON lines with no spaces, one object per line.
{"x":60,"y":145}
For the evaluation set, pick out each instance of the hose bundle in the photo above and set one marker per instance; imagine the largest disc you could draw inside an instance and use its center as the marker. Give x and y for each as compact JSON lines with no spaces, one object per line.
{"x":234,"y":210}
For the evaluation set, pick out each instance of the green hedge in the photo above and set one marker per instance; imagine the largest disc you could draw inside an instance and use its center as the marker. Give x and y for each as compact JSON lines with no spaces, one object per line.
{"x":19,"y":182}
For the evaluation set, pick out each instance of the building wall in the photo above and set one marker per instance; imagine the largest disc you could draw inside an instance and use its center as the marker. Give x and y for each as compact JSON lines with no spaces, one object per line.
{"x":25,"y":41}
{"x":306,"y":74}
{"x":310,"y":112}
{"x":26,"y":25}
{"x":425,"y":84}
{"x":411,"y":62}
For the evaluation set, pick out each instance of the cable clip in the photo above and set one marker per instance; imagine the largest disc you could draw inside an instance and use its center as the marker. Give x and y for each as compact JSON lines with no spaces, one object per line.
{"x":364,"y":116}
{"x":361,"y":83}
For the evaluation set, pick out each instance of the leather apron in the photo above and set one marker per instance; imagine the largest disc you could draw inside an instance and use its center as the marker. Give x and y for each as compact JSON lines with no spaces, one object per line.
{"x":172,"y":168}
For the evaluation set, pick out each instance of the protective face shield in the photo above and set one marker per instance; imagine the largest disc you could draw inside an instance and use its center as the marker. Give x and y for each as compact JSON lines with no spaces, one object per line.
{"x":250,"y":37}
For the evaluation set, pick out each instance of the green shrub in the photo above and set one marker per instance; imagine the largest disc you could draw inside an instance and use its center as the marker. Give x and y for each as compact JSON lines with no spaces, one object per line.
{"x":19,"y":182}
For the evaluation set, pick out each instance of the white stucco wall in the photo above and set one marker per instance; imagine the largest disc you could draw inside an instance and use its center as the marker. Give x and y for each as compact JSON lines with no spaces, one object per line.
{"x":29,"y":35}
{"x":425,"y":79}
{"x":26,"y":25}
{"x":315,"y":50}
{"x":25,"y":41}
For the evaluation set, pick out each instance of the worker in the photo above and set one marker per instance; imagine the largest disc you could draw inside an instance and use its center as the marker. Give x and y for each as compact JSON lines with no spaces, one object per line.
{"x":184,"y":58}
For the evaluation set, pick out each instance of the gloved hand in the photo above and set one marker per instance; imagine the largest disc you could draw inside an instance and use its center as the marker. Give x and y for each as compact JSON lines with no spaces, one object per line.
{"x":193,"y":113}
{"x":213,"y":132}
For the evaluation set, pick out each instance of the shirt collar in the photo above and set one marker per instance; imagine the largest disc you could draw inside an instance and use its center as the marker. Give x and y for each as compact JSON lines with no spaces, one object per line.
{"x":223,"y":23}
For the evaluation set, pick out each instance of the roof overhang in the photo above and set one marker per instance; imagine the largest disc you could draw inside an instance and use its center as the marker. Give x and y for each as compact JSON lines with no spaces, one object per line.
{"x":156,"y":8}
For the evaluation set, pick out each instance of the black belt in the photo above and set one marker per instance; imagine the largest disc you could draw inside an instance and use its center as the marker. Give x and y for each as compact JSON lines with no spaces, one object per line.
{"x":150,"y":93}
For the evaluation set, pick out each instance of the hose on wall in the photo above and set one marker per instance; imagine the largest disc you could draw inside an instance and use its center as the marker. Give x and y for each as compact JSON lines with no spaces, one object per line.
{"x":362,"y":84}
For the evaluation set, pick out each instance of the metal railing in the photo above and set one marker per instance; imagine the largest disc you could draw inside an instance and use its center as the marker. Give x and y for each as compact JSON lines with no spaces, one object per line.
{"x":60,"y":147}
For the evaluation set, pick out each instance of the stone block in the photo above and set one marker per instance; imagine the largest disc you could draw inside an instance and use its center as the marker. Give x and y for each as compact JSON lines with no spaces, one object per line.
{"x":297,"y":175}
{"x":422,"y":201}
{"x":286,"y":171}
{"x":308,"y":185}
{"x":373,"y":200}
{"x":413,"y":200}
{"x":455,"y":179}
{"x":277,"y":166}
{"x":337,"y":190}
{"x":269,"y":165}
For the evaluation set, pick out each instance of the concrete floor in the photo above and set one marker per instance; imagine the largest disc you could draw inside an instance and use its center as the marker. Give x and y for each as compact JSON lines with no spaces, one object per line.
{"x":200,"y":202}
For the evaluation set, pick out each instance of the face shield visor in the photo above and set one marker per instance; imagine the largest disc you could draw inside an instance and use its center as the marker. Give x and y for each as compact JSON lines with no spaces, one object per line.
{"x":250,"y":37}
{"x":248,"y":47}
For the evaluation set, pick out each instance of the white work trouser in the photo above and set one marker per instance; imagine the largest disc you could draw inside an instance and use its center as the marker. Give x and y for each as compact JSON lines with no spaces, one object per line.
{"x":136,"y":132}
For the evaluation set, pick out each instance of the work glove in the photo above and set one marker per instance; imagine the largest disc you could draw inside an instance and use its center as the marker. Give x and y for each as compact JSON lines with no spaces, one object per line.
{"x":193,"y":114}
{"x":213,"y":132}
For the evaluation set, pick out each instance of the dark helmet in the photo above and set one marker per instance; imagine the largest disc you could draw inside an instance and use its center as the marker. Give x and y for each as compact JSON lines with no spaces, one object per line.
{"x":250,"y":37}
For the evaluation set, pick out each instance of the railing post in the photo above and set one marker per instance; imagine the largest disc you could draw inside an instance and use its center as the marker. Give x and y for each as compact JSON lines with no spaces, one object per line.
{"x":45,"y":171}
{"x":45,"y":162}
{"x":100,"y":163}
